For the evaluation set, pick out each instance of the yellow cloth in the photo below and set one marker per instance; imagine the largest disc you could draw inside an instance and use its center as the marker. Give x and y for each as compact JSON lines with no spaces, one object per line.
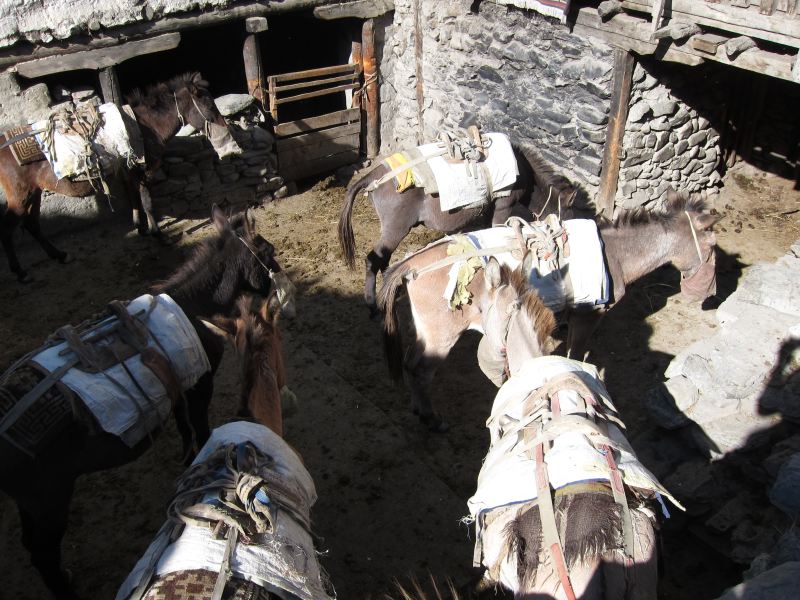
{"x":404,"y":179}
{"x":466,"y":271}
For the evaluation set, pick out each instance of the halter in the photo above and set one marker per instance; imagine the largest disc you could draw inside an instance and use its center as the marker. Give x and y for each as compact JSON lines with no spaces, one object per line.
{"x":206,"y":120}
{"x":512,"y":310}
{"x":284,"y":288}
{"x":695,"y":270}
{"x":694,"y":236}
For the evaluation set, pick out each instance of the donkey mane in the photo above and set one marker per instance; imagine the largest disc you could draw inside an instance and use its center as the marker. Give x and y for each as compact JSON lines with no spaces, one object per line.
{"x":549,"y":177}
{"x":160,"y":95}
{"x":673,"y":206}
{"x":544,"y":322}
{"x":195,"y":273}
{"x":260,"y":333}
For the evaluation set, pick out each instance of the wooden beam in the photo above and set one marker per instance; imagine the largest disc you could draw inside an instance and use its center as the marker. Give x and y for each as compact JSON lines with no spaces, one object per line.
{"x":115,"y":36}
{"x":312,"y":73}
{"x":256,"y":24}
{"x":109,"y":86}
{"x":656,"y":13}
{"x":251,"y":53}
{"x":315,"y":82}
{"x":307,"y":95}
{"x":625,"y":31}
{"x":725,"y":17}
{"x":620,"y":98}
{"x":359,"y":9}
{"x":370,"y":63}
{"x":708,"y":42}
{"x":98,"y":59}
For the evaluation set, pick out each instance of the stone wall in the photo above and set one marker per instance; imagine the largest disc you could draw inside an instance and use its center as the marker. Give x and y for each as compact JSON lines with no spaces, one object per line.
{"x":670,"y":141}
{"x":506,"y":69}
{"x":514,"y":71}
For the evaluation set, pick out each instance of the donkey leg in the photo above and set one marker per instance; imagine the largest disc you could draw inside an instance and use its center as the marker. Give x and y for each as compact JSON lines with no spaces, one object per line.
{"x":421,"y":365}
{"x":146,"y":202}
{"x":44,"y":521}
{"x":8,"y":223}
{"x":31,"y":223}
{"x":581,"y":326}
{"x":378,"y":260}
{"x":503,"y":206}
{"x":197,"y":401}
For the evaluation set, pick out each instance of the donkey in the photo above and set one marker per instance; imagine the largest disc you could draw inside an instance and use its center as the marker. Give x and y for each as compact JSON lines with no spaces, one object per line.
{"x":634,"y":245}
{"x":538,"y":189}
{"x":160,"y":113}
{"x":40,"y":480}
{"x":249,"y":487}
{"x":563,"y":509}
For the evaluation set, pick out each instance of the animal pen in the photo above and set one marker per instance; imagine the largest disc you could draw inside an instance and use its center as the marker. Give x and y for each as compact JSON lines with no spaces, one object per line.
{"x":626,"y":98}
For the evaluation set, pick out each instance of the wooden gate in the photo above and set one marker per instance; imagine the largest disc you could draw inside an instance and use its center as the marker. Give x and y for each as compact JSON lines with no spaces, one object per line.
{"x":320,"y":143}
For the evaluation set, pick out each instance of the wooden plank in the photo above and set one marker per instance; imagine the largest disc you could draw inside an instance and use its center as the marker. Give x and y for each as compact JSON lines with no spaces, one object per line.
{"x":625,"y":31}
{"x":355,"y":56}
{"x":97,"y":59}
{"x":314,"y":123}
{"x":307,"y":95}
{"x":357,"y":9}
{"x":321,"y":148}
{"x":314,"y":83}
{"x":109,"y":86}
{"x":306,"y":168}
{"x":620,"y":98}
{"x":312,"y":73}
{"x":656,"y":13}
{"x":727,"y":18}
{"x":370,"y":63}
{"x":708,"y":42}
{"x":302,"y":141}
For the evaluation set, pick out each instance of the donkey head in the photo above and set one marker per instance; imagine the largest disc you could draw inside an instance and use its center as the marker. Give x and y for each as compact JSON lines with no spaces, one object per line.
{"x":248,"y":262}
{"x":196,"y":106}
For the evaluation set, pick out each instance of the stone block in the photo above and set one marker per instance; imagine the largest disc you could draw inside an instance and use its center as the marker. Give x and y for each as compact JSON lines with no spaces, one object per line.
{"x":557,"y":116}
{"x":489,"y":74}
{"x":596,"y":137}
{"x":639,"y":111}
{"x":662,"y":139}
{"x":664,"y":108}
{"x":650,"y":141}
{"x":636,"y":157}
{"x":685,"y":131}
{"x":681,"y":146}
{"x":515,"y":51}
{"x":659,"y":124}
{"x":588,"y":163}
{"x":230,"y":104}
{"x":666,"y":153}
{"x":698,"y":138}
{"x":593,"y":116}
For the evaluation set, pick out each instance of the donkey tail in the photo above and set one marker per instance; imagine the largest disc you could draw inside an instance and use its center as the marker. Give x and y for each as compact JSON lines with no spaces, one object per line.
{"x":392,"y":341}
{"x":347,"y":239}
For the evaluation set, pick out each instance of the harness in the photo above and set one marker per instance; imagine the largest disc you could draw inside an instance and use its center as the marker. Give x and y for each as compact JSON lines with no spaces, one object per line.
{"x":94,"y":347}
{"x":236,"y":492}
{"x":284,"y":288}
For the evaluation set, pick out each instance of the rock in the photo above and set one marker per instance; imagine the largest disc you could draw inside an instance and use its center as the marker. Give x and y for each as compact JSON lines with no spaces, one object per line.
{"x":664,"y":108}
{"x":664,"y":154}
{"x":638,"y":111}
{"x":785,"y":492}
{"x":778,"y":583}
{"x":230,"y":104}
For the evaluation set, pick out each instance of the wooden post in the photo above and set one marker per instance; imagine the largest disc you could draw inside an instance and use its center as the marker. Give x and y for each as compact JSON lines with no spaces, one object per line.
{"x":418,"y":58}
{"x":253,"y":68}
{"x":371,"y":83}
{"x":620,"y":98}
{"x":109,"y":85}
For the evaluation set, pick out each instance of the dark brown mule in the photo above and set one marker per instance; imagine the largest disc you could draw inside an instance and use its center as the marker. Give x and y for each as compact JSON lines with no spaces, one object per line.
{"x":232,"y":261}
{"x":563,"y":508}
{"x":635,"y":245}
{"x":240,"y":462}
{"x":160,"y":112}
{"x":538,"y":188}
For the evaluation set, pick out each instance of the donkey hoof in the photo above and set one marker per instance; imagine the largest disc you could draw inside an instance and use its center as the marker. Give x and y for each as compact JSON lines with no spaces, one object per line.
{"x":66,"y":258}
{"x":434,"y":422}
{"x":24,"y":277}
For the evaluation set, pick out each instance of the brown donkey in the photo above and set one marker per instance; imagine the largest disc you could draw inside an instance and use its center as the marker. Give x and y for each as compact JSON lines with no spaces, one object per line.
{"x":633,"y":246}
{"x":563,"y":509}
{"x":160,"y":113}
{"x":239,"y":524}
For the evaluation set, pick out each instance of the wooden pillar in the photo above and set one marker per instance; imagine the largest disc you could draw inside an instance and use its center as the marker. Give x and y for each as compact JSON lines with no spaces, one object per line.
{"x":253,"y":68}
{"x":418,"y":69}
{"x":620,"y":98}
{"x":371,"y":99}
{"x":109,"y":85}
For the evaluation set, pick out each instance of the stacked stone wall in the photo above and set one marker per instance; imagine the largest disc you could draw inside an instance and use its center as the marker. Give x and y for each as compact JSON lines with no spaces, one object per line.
{"x":506,"y":69}
{"x":671,"y":137}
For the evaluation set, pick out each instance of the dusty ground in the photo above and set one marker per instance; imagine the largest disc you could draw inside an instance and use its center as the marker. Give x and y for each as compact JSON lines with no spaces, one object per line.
{"x":391,"y":494}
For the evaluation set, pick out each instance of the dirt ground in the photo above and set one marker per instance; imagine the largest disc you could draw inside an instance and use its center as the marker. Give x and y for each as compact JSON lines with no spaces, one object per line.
{"x":391,"y":495}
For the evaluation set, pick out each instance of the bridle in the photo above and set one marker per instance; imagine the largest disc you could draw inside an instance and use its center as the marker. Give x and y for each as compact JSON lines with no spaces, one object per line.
{"x":181,"y":119}
{"x":691,"y":272}
{"x":511,"y":312}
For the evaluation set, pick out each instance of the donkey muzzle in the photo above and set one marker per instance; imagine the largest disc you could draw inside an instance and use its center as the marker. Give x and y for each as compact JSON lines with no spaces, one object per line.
{"x":702,"y":283}
{"x":222,"y":140}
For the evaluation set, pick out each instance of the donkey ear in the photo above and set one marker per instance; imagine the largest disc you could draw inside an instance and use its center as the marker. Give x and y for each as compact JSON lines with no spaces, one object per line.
{"x":492,"y":274}
{"x":706,"y":221}
{"x":219,"y":219}
{"x":198,"y":80}
{"x":222,"y":326}
{"x":249,"y":223}
{"x":527,"y":262}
